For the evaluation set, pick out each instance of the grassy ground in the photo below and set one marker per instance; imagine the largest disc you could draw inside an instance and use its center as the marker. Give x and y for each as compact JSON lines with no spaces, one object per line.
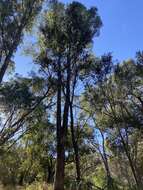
{"x":34,"y":186}
{"x":10,"y":188}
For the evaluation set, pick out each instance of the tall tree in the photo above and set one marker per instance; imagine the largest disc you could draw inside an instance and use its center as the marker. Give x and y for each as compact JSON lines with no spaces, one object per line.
{"x":15,"y":16}
{"x":117,"y":107}
{"x":65,"y":38}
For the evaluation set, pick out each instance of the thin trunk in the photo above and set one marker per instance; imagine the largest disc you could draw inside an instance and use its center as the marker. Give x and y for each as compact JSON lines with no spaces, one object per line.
{"x":75,"y":146}
{"x":4,"y":67}
{"x":138,"y":184}
{"x":49,"y":171}
{"x":21,"y":179}
{"x":67,"y":98}
{"x":106,"y":164}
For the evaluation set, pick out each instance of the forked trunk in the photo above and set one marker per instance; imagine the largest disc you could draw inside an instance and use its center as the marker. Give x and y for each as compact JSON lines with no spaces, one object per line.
{"x":60,"y":162}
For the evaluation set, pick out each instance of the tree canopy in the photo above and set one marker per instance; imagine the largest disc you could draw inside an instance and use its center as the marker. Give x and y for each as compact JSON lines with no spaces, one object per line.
{"x":76,"y":121}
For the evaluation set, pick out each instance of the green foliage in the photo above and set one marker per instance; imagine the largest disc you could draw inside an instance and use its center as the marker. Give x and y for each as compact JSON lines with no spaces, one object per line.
{"x":14,"y":17}
{"x":16,"y":93}
{"x":39,"y":186}
{"x":9,"y":167}
{"x":108,"y":115}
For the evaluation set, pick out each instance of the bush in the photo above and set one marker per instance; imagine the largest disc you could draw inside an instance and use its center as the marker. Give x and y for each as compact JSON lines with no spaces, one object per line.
{"x":39,"y":186}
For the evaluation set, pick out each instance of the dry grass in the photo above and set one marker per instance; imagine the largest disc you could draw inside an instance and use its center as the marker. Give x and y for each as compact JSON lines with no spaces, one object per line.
{"x":10,"y":188}
{"x":34,"y":186}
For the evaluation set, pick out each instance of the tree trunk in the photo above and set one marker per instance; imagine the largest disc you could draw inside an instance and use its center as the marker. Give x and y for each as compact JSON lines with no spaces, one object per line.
{"x":75,"y":146}
{"x":62,"y":128}
{"x":110,"y":184}
{"x":60,"y":166}
{"x":60,"y":162}
{"x":138,"y":183}
{"x":21,"y":179}
{"x":3,"y":70}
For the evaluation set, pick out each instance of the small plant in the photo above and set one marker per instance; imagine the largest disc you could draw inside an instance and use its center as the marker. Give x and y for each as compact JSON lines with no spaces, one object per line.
{"x":39,"y":186}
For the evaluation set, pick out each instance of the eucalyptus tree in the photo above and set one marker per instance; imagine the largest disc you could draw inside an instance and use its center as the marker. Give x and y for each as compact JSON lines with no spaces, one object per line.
{"x":65,"y":37}
{"x":97,"y":74}
{"x":15,"y":17}
{"x":32,"y":156}
{"x":118,"y":110}
{"x":37,"y":151}
{"x":20,"y":98}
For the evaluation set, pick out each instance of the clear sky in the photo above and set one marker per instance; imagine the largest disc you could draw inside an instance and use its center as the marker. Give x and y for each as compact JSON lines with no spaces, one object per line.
{"x":121,"y":34}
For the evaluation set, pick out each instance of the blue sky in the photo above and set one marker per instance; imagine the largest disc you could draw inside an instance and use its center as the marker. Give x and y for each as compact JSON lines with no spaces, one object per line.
{"x":121,"y":34}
